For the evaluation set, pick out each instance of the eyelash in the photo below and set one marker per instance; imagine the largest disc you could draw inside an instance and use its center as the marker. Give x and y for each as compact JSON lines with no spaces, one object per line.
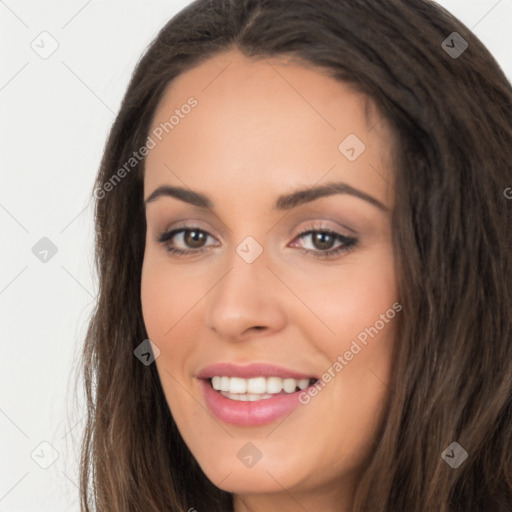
{"x":348,"y":243}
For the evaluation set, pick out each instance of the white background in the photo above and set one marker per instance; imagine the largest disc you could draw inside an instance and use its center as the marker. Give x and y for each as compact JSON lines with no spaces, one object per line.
{"x":54,"y":119}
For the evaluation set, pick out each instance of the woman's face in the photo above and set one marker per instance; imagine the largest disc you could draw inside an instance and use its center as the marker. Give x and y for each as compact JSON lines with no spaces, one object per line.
{"x":273,"y":288}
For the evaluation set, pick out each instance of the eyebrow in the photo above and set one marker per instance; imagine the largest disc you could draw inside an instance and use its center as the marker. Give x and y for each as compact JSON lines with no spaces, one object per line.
{"x":283,"y":202}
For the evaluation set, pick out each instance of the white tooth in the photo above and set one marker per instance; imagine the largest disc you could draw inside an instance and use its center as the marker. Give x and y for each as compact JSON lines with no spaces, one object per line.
{"x":289,"y":385}
{"x":224,"y":383}
{"x":274,"y":384}
{"x":260,"y":386}
{"x":216,"y":383}
{"x":237,"y":385}
{"x":257,"y":385}
{"x":303,"y":383}
{"x":245,"y":397}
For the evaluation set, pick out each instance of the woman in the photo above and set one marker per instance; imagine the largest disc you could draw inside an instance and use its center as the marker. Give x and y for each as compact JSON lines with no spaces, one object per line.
{"x":303,"y":206}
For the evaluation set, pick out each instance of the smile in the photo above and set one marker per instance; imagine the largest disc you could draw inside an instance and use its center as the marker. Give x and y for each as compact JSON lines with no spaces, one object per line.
{"x":252,"y":395}
{"x":257,"y":388}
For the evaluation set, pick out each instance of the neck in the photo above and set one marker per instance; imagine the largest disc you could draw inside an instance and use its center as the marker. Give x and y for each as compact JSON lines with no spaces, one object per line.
{"x":337,"y":500}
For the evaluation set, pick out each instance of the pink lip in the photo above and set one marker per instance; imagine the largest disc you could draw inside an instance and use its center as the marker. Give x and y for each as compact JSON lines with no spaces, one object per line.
{"x":251,"y":370}
{"x":248,"y":413}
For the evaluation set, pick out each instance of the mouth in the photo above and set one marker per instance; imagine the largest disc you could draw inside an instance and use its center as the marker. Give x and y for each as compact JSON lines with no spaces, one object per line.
{"x":254,"y":394}
{"x":257,"y":388}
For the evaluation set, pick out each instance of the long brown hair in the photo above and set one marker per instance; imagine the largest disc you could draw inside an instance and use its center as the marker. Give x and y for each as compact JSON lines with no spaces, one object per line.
{"x":451,"y":116}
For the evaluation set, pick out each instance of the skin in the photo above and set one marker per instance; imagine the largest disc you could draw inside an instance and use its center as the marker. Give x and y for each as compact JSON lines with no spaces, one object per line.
{"x":263,"y":128}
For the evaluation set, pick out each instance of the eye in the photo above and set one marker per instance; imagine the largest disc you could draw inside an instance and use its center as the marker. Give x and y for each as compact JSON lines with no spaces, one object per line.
{"x":193,"y":240}
{"x":323,"y":242}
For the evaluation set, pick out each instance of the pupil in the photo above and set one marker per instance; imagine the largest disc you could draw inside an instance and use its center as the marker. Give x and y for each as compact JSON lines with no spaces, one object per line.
{"x":323,"y":240}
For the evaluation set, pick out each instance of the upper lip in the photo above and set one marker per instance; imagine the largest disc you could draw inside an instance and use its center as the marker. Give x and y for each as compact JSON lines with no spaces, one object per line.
{"x":248,"y":371}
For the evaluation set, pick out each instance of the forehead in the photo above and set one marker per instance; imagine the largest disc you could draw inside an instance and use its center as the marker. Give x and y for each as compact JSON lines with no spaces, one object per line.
{"x":268,"y":121}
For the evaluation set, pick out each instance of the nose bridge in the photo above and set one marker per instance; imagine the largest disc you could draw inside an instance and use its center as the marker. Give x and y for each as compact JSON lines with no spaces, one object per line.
{"x":245,"y":296}
{"x":247,"y":264}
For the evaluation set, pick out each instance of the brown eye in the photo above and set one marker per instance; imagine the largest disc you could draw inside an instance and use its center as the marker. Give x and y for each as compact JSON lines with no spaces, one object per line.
{"x":325,"y":243}
{"x":194,"y":238}
{"x":185,"y":241}
{"x":323,"y":240}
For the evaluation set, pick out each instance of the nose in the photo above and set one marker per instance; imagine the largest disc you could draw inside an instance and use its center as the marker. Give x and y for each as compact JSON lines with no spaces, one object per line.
{"x":247,"y":300}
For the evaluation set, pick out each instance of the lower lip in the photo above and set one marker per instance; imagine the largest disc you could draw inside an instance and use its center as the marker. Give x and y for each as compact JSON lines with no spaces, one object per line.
{"x":259,"y":412}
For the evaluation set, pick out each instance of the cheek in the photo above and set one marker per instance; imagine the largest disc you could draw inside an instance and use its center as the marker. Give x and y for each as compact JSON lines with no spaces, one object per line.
{"x":344,"y":300}
{"x":168,"y":299}
{"x":167,"y":295}
{"x":171,"y":302}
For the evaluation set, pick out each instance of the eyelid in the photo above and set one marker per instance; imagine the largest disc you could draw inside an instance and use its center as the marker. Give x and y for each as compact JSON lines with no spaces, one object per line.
{"x":325,"y":225}
{"x":189,"y":225}
{"x":168,"y":234}
{"x":316,"y":226}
